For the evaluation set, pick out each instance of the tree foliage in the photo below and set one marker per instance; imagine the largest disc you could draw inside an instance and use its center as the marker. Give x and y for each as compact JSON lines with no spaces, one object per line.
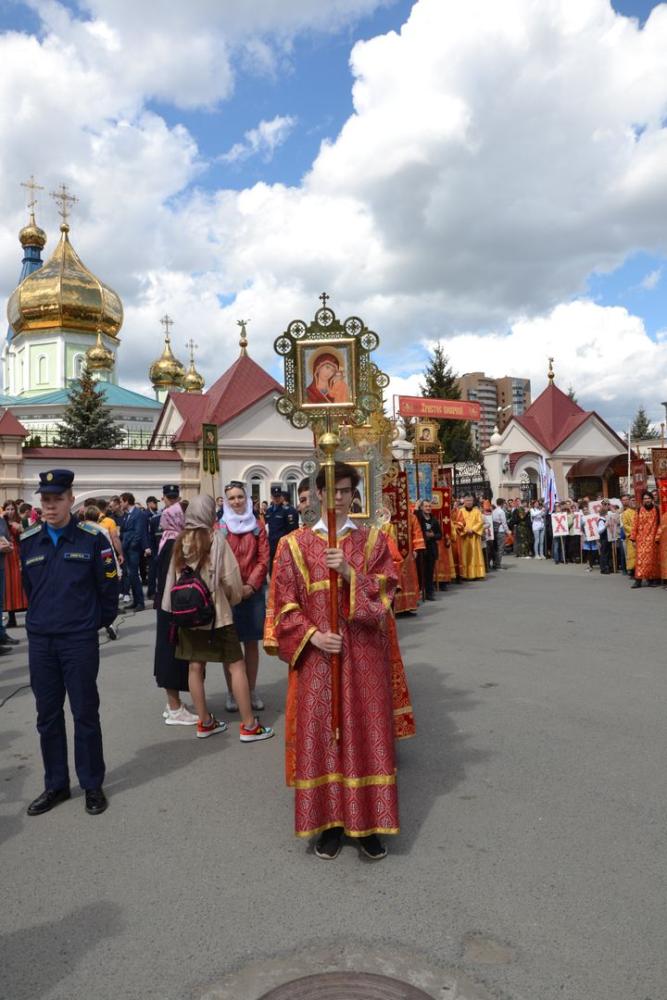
{"x":440,"y":383}
{"x":87,"y":421}
{"x":641,"y":429}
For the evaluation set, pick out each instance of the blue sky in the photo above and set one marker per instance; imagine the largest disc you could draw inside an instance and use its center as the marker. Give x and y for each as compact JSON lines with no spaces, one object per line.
{"x":474,"y":289}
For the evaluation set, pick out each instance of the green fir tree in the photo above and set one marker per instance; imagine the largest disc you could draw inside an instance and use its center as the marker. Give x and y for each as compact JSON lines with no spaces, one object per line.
{"x":440,"y":383}
{"x":87,"y":421}
{"x":572,"y":394}
{"x":641,"y":428}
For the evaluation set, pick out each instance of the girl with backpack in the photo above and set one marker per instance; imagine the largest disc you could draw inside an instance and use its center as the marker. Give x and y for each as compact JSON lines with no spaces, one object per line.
{"x":249,"y":543}
{"x":204,"y":569}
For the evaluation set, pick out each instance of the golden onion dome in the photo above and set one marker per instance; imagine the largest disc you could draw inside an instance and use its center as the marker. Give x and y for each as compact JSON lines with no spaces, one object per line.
{"x":167,"y":370}
{"x":32,"y":235}
{"x":99,"y":358}
{"x":64,"y":293}
{"x":192,"y":380}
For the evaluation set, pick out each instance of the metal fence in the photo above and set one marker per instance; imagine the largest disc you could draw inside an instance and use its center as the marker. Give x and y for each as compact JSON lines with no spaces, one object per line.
{"x":136,"y":440}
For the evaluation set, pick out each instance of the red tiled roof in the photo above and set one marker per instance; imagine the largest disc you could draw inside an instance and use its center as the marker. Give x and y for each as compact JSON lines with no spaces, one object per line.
{"x":131,"y":454}
{"x":552,"y":418}
{"x":242,"y":385}
{"x":11,"y":426}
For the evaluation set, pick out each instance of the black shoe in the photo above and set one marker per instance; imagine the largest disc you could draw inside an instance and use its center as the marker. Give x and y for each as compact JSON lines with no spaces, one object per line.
{"x":7,"y":640}
{"x":373,"y":847}
{"x":329,"y":843}
{"x":636,"y":585}
{"x":136,"y":607}
{"x":430,"y":597}
{"x":96,"y":801}
{"x":47,"y":800}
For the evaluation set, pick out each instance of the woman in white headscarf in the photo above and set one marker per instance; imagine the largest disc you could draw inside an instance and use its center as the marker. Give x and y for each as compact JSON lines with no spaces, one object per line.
{"x":207,"y":552}
{"x":250,"y":545}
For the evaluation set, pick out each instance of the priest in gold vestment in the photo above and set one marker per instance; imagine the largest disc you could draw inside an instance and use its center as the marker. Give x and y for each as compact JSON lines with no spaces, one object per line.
{"x":470,"y":529}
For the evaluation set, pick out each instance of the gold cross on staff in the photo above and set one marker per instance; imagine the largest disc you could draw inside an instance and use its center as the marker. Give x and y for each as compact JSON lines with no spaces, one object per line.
{"x":64,"y":199}
{"x":32,"y":186}
{"x":190,"y":344}
{"x":167,"y":321}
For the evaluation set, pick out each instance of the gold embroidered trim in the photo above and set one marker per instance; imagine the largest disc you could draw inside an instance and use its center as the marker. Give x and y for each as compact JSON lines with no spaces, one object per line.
{"x":302,"y":645}
{"x":292,"y":606}
{"x":403,"y":711}
{"x":348,"y":833}
{"x":353,"y":593}
{"x":297,"y":555}
{"x":330,"y":779}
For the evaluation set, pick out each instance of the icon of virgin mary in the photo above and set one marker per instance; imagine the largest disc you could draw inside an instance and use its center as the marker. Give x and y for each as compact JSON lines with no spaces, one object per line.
{"x":328,"y":383}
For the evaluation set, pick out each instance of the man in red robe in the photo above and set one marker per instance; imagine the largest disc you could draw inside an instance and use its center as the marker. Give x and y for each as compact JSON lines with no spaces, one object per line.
{"x":646,"y":537}
{"x":345,"y":786}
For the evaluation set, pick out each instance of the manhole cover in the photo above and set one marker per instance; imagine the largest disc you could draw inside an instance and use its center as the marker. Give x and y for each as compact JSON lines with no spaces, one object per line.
{"x":346,"y":986}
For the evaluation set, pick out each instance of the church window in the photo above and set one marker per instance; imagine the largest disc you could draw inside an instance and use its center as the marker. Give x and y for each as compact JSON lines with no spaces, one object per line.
{"x":78,"y":365}
{"x":42,"y":369}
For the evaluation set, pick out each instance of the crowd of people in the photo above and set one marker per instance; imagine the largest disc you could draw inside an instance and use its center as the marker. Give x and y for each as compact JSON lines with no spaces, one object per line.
{"x":237,"y":573}
{"x":225,"y":575}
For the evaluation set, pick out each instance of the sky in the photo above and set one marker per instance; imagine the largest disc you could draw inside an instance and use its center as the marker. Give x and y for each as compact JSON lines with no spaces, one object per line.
{"x":493,"y":176}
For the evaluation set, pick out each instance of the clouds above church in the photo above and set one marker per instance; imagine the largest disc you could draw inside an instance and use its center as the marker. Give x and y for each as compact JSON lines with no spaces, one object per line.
{"x":496,"y":156}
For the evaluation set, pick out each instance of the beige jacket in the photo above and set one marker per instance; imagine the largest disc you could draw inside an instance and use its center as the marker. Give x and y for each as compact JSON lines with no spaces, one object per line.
{"x":220,"y":573}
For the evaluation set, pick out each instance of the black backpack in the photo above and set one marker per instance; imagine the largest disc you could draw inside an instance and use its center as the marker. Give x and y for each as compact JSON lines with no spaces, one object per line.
{"x":191,"y":601}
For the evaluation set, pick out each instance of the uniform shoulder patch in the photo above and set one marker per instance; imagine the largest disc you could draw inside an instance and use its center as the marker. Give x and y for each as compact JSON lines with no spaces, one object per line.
{"x":88,"y":526}
{"x":30,"y":531}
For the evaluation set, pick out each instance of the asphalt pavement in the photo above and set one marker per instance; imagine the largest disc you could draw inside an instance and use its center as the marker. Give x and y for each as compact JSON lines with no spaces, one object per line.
{"x":531,"y":862}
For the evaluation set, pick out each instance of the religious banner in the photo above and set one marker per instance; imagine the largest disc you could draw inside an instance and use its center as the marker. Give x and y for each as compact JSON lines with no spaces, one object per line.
{"x":442,"y":508}
{"x":426,"y":434}
{"x":441,"y":409}
{"x":488,"y":527}
{"x":425,"y":481}
{"x":210,"y":460}
{"x":576,"y":522}
{"x":559,"y":525}
{"x":638,"y":471}
{"x":395,"y":498}
{"x":590,"y":523}
{"x":659,"y":463}
{"x":613,"y":526}
{"x":662,"y":490}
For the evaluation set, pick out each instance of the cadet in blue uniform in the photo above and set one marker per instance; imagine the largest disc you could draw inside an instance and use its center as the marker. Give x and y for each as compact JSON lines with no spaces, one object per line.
{"x":280,"y":517}
{"x":69,"y":575}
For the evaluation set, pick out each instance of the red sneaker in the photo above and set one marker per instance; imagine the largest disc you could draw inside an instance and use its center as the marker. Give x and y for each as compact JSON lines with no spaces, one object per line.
{"x":256,"y":733}
{"x":214,"y":726}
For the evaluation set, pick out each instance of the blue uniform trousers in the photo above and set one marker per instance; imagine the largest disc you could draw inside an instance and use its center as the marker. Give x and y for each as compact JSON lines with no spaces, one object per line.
{"x":131,"y":568}
{"x":69,"y":664}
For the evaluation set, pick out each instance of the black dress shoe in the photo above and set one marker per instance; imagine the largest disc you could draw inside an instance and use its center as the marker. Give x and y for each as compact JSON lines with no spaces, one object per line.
{"x":7,"y":640}
{"x":47,"y":800}
{"x":96,"y":801}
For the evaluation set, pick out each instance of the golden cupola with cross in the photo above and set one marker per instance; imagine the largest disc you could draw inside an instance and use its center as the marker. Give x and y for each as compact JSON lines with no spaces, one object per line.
{"x":58,"y":313}
{"x":167,"y":372}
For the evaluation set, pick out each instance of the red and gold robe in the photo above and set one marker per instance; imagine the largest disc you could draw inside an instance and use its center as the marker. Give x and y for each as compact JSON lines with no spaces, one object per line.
{"x":408,"y":593}
{"x":647,"y":562}
{"x":352,"y":782}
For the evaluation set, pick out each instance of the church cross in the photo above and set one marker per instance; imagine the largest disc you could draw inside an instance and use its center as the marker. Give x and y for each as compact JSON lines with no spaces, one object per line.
{"x":32,"y":187}
{"x":324,"y":298}
{"x":64,"y":199}
{"x":192,"y":347}
{"x":166,"y":321}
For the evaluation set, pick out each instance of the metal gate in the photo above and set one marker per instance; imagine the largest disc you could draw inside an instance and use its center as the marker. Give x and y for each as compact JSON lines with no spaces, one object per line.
{"x":471,"y":477}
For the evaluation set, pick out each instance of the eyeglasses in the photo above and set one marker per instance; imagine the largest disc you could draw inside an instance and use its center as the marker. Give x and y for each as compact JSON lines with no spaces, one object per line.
{"x":235,"y":484}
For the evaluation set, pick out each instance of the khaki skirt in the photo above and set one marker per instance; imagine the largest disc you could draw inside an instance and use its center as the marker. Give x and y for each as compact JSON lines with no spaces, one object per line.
{"x":203,"y":645}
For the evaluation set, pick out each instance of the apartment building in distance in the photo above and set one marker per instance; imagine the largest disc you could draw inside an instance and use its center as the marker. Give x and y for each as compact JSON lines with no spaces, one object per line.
{"x":499,"y":399}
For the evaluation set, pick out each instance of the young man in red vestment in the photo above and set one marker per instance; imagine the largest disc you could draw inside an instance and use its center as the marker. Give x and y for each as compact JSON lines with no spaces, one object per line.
{"x":345,"y":786}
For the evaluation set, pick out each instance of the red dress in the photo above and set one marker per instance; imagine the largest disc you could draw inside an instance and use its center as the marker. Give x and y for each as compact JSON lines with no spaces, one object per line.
{"x":350,"y":783}
{"x":15,"y":597}
{"x":647,"y":565}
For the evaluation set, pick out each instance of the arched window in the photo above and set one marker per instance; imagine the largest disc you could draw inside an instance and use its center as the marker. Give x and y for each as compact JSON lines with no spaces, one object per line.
{"x":257,"y":477}
{"x":77,"y":365}
{"x":292,"y":476}
{"x":42,"y":369}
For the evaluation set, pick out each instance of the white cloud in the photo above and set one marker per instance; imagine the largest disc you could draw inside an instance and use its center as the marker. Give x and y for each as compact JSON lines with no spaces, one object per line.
{"x":651,"y":281}
{"x":261,"y":141}
{"x":497,"y":155}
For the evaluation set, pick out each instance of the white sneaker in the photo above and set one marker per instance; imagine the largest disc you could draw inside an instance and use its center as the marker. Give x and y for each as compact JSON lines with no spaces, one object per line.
{"x":180,"y":717}
{"x":230,"y":703}
{"x":256,"y":702}
{"x":126,"y":599}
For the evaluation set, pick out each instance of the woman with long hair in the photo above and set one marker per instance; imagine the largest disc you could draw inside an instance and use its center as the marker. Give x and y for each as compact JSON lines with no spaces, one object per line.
{"x":207,"y":552}
{"x":249,"y":543}
{"x":15,"y":598}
